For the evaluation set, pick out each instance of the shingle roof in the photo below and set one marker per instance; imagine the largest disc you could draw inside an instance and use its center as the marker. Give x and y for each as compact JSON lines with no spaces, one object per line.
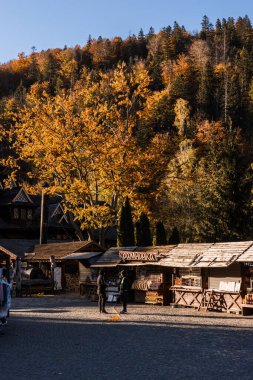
{"x":183,"y":255}
{"x":111,"y":256}
{"x":222,"y":254}
{"x":247,"y":256}
{"x":59,"y":250}
{"x":81,"y":255}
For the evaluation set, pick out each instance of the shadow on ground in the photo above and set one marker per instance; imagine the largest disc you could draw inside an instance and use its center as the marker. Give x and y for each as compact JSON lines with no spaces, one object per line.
{"x":41,"y":348}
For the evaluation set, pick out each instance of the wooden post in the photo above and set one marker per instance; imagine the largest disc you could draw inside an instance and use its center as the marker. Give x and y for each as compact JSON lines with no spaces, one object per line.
{"x":43,"y":219}
{"x":8,"y":268}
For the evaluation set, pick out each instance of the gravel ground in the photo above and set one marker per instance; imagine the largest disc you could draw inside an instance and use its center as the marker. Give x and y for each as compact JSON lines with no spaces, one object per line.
{"x":65,"y":337}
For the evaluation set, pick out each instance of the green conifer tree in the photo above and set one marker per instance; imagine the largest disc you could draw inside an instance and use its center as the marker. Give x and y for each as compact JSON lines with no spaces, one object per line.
{"x":174,"y":238}
{"x":125,"y":226}
{"x":146,"y":238}
{"x":160,"y":234}
{"x":138,"y":233}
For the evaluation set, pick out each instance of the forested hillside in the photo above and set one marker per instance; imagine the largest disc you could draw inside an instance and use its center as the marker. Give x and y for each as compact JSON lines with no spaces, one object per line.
{"x":164,"y":118}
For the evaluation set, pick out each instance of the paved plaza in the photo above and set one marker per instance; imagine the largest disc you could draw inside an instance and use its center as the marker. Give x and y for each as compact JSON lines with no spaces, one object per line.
{"x":64,"y":337}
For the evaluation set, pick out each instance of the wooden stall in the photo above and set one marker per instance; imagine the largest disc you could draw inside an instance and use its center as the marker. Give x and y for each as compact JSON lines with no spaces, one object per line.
{"x":109,"y":261}
{"x":224,"y":276}
{"x":86,"y":278}
{"x":60,"y":262}
{"x":187,"y":282}
{"x":212,"y":278}
{"x":149,"y":281}
{"x":246,"y":261}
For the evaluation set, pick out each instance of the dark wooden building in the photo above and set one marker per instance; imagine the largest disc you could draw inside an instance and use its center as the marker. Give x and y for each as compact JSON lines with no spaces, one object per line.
{"x":20,"y":216}
{"x":74,"y":259}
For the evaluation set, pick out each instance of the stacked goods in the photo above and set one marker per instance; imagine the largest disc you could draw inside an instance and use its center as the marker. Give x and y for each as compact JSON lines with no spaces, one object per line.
{"x":72,"y":282}
{"x":191,"y":281}
{"x":178,"y":281}
{"x":249,"y":299}
{"x":154,"y":298}
{"x":141,"y":285}
{"x":146,"y":285}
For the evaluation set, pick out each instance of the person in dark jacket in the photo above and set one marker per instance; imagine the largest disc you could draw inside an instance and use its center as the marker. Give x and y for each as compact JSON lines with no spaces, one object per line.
{"x":124,"y":287}
{"x":101,"y":291}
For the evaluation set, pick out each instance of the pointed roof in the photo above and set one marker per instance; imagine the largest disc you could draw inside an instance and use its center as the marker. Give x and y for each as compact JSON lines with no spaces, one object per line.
{"x":22,"y":197}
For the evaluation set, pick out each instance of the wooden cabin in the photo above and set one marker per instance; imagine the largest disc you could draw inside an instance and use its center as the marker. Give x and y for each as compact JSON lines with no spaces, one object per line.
{"x":69,"y":262}
{"x":20,"y":216}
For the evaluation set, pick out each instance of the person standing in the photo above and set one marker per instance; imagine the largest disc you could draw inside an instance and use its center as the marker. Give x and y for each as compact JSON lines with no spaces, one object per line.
{"x":101,"y":291}
{"x":123,"y":288}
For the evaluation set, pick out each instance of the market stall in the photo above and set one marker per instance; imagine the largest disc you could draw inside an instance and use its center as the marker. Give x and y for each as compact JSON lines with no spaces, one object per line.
{"x":246,"y":260}
{"x":223,"y":290}
{"x":149,"y":281}
{"x":187,"y":282}
{"x":210,"y":278}
{"x":60,"y":262}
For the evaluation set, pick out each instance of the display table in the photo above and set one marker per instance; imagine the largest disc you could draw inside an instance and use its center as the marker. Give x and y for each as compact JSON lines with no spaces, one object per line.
{"x":187,"y":296}
{"x":221,"y":300}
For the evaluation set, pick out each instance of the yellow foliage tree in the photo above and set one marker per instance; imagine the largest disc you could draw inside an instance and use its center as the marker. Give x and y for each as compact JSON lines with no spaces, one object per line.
{"x":82,"y":145}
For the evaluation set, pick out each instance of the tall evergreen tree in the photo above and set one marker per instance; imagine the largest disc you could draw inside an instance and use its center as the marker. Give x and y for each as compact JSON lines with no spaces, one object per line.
{"x":206,"y":29}
{"x":174,"y":238}
{"x":145,"y":234}
{"x":137,"y":231}
{"x":126,"y":227}
{"x":160,"y":234}
{"x":225,"y":182}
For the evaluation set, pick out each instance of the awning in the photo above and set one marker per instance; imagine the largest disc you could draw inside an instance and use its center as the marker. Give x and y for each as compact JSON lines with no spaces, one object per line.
{"x":81,"y":255}
{"x":103,"y":265}
{"x":5,"y":253}
{"x":134,"y":264}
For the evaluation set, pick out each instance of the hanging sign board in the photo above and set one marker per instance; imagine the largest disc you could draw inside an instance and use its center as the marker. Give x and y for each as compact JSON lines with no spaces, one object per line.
{"x":139,"y":256}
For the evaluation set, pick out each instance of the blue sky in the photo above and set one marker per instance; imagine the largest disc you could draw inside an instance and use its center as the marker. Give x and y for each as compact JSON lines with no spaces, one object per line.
{"x":55,"y":23}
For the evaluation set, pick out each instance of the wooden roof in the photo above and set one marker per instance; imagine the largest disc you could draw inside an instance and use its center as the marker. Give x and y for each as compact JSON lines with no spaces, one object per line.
{"x":111,"y":256}
{"x":222,"y":254}
{"x":247,"y":256}
{"x":183,"y":255}
{"x":81,"y":255}
{"x":6,"y":253}
{"x":59,"y":250}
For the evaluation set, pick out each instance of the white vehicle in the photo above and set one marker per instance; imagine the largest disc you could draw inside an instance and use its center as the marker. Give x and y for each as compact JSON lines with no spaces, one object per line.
{"x":5,"y":301}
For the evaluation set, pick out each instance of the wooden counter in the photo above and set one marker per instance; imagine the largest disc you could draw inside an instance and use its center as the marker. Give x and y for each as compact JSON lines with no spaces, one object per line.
{"x":187,"y":296}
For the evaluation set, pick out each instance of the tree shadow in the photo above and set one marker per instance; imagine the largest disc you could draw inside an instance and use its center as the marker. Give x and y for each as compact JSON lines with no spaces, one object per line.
{"x":91,"y":349}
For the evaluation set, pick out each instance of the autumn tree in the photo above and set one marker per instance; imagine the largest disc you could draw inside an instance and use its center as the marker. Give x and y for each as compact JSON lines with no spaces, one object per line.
{"x":83,"y":146}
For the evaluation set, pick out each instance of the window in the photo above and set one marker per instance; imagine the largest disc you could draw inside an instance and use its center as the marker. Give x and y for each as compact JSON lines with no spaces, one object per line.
{"x":23,"y":214}
{"x":16,"y":213}
{"x":29,"y":214}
